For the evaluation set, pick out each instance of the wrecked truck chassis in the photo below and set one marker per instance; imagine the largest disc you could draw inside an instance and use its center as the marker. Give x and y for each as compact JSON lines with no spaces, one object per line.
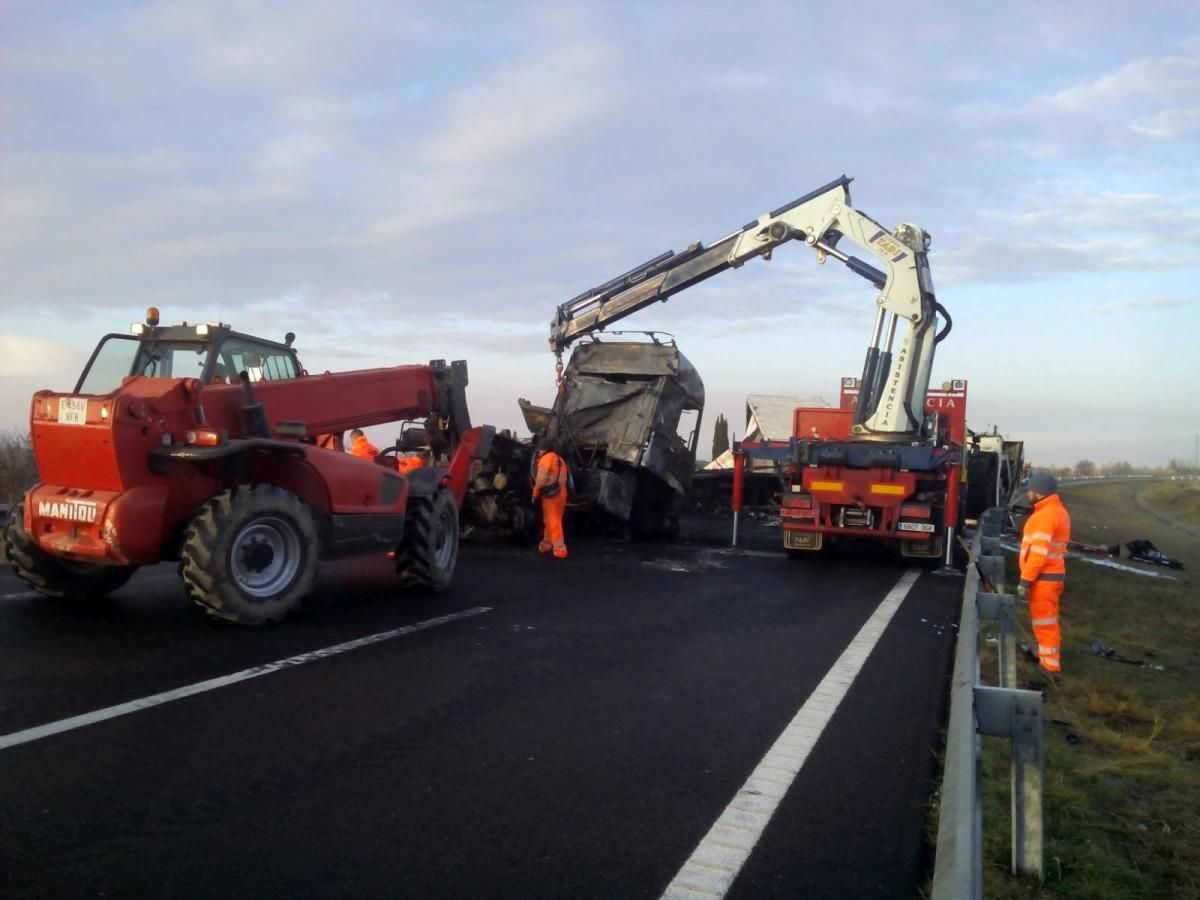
{"x":617,"y":415}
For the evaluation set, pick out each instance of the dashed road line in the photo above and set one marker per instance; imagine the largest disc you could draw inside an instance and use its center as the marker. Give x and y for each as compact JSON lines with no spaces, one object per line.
{"x":122,"y":709}
{"x":24,"y":595}
{"x":720,"y":855}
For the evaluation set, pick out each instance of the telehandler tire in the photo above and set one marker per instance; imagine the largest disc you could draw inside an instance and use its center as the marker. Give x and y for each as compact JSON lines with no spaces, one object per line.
{"x":427,"y":558}
{"x":54,"y":577}
{"x":250,"y":555}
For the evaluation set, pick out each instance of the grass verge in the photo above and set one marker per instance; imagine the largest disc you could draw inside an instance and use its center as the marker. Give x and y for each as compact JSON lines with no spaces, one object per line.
{"x":1177,"y":501}
{"x":1122,"y":742}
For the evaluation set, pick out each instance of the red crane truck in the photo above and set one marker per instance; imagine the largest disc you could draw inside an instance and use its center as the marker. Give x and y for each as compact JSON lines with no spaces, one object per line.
{"x":909,"y":495}
{"x":201,"y":444}
{"x":885,"y":434}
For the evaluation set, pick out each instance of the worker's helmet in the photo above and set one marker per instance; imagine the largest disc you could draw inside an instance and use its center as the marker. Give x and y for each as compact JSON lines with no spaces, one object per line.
{"x":1042,"y":483}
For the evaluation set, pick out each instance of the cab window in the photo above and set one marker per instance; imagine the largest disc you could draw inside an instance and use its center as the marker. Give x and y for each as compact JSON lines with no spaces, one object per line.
{"x":109,"y":365}
{"x":119,"y":356}
{"x":261,"y":362}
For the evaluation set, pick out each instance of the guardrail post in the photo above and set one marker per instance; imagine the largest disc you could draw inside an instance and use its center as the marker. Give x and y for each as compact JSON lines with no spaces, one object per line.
{"x":1001,"y":609}
{"x":991,"y":523}
{"x":992,"y":568}
{"x":1015,"y":714}
{"x":1028,"y":773}
{"x":996,"y":711}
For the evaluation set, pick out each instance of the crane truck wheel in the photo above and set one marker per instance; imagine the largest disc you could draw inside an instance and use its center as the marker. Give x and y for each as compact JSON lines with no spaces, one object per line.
{"x":250,"y":555}
{"x":54,"y":577}
{"x":429,"y":553}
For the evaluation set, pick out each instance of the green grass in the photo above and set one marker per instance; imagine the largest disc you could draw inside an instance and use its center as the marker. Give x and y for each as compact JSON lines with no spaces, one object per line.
{"x":1122,"y":743}
{"x":1177,"y":501}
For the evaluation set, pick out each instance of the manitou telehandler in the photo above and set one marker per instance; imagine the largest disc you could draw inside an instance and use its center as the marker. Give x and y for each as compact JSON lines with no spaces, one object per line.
{"x":200,"y":444}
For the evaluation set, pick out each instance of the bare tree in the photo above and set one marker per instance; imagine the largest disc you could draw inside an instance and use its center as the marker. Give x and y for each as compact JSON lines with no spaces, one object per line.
{"x":17,"y":469}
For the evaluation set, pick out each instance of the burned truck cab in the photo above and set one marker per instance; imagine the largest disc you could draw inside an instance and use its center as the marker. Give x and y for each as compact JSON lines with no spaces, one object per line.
{"x":628,"y":417}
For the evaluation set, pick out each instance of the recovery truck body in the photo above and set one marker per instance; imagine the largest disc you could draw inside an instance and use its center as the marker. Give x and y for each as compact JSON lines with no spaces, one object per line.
{"x":904,"y":495}
{"x":155,"y":455}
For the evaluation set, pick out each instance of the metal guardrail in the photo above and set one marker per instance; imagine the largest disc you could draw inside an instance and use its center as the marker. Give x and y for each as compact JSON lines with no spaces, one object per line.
{"x":978,"y":710}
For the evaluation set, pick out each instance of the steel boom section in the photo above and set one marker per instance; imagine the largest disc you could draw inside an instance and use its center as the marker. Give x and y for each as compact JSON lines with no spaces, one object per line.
{"x":895,"y":377}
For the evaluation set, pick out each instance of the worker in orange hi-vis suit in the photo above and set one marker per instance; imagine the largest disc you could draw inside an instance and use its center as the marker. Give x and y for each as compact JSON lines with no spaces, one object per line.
{"x":550,"y":485}
{"x":1044,"y":566}
{"x":361,"y":447}
{"x":406,"y":464}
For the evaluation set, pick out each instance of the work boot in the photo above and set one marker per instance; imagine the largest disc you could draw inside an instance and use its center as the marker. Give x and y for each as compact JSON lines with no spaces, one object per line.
{"x":1037,"y":682}
{"x":1041,"y":680}
{"x":1050,"y":675}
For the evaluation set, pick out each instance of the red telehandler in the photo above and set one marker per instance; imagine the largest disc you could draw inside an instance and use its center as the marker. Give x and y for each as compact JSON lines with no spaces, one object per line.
{"x":200,"y":444}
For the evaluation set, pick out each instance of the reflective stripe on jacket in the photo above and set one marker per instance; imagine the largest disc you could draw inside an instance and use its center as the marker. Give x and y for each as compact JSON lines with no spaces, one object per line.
{"x":1044,"y":543}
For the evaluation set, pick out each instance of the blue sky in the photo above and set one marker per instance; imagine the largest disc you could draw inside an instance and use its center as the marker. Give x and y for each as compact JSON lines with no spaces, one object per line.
{"x":397,"y":183}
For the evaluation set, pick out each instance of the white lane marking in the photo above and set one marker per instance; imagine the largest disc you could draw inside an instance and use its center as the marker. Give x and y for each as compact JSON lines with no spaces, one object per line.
{"x":25,"y":595}
{"x":722,"y":852}
{"x":111,"y":712}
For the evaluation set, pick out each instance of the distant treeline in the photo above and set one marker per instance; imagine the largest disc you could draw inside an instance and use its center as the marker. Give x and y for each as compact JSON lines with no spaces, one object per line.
{"x":1085,"y":468}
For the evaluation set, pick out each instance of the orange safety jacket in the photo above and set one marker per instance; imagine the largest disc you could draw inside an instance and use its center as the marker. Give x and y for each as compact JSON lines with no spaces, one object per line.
{"x":409,"y":464}
{"x":363,"y":449}
{"x":1044,"y":542}
{"x":551,"y":469}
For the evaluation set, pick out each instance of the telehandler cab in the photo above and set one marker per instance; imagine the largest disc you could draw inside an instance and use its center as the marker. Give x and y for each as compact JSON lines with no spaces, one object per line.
{"x":201,"y":444}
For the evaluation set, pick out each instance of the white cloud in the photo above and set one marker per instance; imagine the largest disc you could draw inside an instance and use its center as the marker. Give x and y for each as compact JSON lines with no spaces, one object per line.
{"x":406,"y":183}
{"x":1147,"y":304}
{"x":26,"y":356}
{"x":1145,"y":101}
{"x":284,"y":43}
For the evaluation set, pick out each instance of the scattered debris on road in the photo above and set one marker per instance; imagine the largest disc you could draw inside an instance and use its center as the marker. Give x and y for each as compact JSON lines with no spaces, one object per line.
{"x":1145,"y":551}
{"x":1111,"y":653}
{"x":1104,"y":561}
{"x":1095,"y":549}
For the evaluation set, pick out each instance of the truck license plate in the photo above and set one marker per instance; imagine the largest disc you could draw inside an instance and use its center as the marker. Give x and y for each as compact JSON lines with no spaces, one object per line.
{"x":916,"y":526}
{"x":72,"y":411}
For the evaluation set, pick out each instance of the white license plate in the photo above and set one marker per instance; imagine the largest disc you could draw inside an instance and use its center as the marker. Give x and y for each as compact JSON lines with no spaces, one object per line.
{"x":72,"y":411}
{"x":916,"y":526}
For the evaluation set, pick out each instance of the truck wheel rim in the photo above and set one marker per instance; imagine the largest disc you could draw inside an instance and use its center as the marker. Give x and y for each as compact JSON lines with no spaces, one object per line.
{"x":265,"y":557}
{"x":443,"y":540}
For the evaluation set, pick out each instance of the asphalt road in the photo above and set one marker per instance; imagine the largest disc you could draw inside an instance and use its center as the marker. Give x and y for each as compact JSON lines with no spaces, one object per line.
{"x":577,"y":735}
